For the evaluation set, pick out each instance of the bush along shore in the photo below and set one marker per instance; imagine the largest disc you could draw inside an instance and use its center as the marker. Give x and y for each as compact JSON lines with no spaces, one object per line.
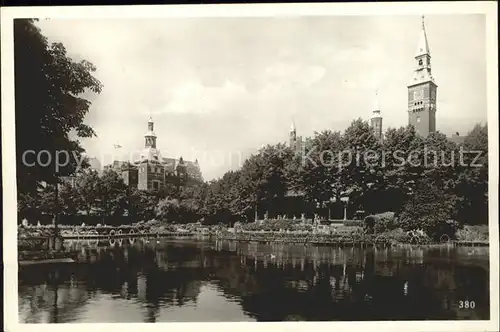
{"x":381,"y":229}
{"x":29,"y":233}
{"x":354,"y":239}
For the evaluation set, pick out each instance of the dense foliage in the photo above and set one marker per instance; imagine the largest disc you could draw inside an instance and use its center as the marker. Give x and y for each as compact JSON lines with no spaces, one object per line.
{"x":50,"y":107}
{"x":430,"y":197}
{"x":380,"y":223}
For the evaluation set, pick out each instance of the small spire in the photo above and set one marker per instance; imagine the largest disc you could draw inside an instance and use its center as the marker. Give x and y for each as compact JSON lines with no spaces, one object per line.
{"x":376,"y":109}
{"x":292,"y":127}
{"x":423,"y":44}
{"x":150,"y":120}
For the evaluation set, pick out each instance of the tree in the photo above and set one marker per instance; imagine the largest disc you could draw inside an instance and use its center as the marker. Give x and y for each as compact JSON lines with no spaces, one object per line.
{"x":143,"y":204}
{"x":49,"y":105}
{"x":432,"y":209}
{"x":86,"y":192}
{"x":472,"y":182}
{"x":27,"y":206}
{"x":189,"y":210}
{"x":271,"y":186}
{"x":168,"y":210}
{"x":112,"y":194}
{"x":197,"y":192}
{"x":46,"y":202}
{"x":442,"y":158}
{"x":361,"y":169}
{"x":170,"y":190}
{"x":401,"y":170}
{"x":70,"y":199}
{"x":222,"y":198}
{"x":320,"y":174}
{"x":183,"y":206}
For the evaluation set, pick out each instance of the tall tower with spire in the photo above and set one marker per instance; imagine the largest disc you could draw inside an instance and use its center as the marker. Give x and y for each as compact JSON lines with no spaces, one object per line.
{"x":422,"y":90}
{"x":376,"y":119}
{"x":295,"y":142}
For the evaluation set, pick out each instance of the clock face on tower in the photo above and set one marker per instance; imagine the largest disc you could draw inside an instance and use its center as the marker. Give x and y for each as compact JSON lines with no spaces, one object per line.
{"x":418,"y":94}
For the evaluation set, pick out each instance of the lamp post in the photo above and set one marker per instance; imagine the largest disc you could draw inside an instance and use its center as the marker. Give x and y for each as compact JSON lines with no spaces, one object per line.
{"x":128,"y":169}
{"x":256,"y":213}
{"x":332,"y":200}
{"x":346,"y":201}
{"x":129,"y":212}
{"x":53,"y":242}
{"x":56,"y":201}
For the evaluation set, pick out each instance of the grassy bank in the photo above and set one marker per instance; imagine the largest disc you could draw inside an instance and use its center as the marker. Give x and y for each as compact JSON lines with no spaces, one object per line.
{"x":277,"y":231}
{"x":38,"y":255}
{"x":344,"y":235}
{"x":354,"y":235}
{"x":469,"y":233}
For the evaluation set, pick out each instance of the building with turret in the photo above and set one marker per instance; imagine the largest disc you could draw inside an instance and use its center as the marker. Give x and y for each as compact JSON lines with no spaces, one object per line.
{"x":152,"y":171}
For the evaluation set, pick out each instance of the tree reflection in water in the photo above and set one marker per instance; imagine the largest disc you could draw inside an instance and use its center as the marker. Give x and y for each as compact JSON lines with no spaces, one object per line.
{"x":263,"y":282}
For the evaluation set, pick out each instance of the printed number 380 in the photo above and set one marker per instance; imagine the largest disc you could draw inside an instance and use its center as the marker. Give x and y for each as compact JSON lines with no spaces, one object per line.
{"x":466,"y":304}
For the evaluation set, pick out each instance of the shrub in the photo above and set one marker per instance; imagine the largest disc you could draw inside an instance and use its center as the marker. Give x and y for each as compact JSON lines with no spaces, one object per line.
{"x":448,"y":228}
{"x":385,"y":222}
{"x":350,"y":223}
{"x":168,"y":209}
{"x":275,"y":225}
{"x":305,"y":227}
{"x":369,"y":224}
{"x":431,"y":209}
{"x":251,"y":227}
{"x":473,"y":233}
{"x":380,"y":223}
{"x":398,"y":235}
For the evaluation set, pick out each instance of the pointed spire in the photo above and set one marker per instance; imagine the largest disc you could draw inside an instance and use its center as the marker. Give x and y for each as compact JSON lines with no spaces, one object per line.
{"x":150,"y":120}
{"x":377,"y":103}
{"x":423,"y":44}
{"x":292,"y":127}
{"x":376,"y":109}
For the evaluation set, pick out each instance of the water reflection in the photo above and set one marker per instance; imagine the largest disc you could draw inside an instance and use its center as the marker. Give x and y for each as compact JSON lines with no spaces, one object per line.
{"x":158,"y":280}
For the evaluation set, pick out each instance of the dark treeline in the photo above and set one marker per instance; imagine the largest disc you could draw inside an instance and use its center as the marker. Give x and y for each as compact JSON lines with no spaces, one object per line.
{"x":276,"y":181}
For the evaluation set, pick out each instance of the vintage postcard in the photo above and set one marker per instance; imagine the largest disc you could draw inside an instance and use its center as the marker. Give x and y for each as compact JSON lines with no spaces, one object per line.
{"x":330,"y":165}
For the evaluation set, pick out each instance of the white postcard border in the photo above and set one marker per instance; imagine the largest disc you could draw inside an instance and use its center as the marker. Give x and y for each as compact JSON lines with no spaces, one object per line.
{"x":242,"y":10}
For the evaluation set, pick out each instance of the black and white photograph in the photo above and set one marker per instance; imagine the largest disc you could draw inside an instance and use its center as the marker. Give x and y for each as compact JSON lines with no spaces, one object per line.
{"x":251,"y":163}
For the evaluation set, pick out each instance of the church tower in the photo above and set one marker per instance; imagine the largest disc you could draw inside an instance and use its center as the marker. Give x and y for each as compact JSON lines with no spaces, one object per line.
{"x":295,"y":142}
{"x":150,"y":137}
{"x":422,"y":90}
{"x":376,"y":120}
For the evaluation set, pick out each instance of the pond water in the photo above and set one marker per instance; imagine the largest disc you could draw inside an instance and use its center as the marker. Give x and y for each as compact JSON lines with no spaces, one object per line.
{"x":166,"y":280}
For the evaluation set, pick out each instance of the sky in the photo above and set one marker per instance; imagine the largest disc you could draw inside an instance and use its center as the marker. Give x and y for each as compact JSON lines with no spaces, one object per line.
{"x":219,"y":88}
